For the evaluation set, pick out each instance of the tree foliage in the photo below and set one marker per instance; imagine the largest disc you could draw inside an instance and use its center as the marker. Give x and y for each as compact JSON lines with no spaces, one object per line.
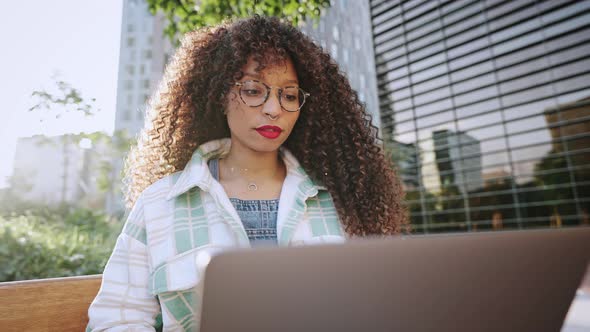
{"x":186,"y":15}
{"x":68,"y":100}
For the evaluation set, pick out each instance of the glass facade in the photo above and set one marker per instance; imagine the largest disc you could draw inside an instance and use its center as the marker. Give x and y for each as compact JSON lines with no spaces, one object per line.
{"x":485,"y":108}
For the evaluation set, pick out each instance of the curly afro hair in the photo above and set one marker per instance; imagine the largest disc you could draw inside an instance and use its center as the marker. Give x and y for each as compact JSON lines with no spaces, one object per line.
{"x":333,"y":139}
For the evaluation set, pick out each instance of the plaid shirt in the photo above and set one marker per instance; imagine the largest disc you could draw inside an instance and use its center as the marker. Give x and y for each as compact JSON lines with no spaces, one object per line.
{"x":154,"y":275}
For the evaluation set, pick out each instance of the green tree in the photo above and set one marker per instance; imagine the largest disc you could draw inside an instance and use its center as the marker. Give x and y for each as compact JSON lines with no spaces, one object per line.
{"x":186,"y":15}
{"x":550,"y":173}
{"x":68,"y":100}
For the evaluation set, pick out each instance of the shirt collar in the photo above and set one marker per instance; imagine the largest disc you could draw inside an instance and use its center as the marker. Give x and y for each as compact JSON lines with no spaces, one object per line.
{"x":196,"y":172}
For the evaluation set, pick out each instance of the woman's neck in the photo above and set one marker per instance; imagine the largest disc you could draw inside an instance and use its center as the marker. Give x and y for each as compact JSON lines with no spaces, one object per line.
{"x":257,"y":164}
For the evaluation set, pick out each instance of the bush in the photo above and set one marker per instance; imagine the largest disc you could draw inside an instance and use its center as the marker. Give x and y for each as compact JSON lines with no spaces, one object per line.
{"x":44,"y":243}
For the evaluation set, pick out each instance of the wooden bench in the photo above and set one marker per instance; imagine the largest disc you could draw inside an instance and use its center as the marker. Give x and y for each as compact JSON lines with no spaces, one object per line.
{"x":59,"y":304}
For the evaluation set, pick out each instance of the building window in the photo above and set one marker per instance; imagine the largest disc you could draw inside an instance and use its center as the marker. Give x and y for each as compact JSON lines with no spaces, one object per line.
{"x":129,"y":100}
{"x":146,"y":84}
{"x":334,"y":51}
{"x":132,"y":55}
{"x":130,"y":42}
{"x":147,"y":54}
{"x":362,"y":80}
{"x":345,"y":56}
{"x":335,"y":33}
{"x":129,"y":84}
{"x":142,"y":69}
{"x":150,"y":40}
{"x":357,"y":43}
{"x":126,"y":115}
{"x":130,"y":69}
{"x":130,"y":28}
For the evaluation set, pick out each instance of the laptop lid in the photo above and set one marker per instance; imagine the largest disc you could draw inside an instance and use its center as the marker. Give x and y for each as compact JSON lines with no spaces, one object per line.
{"x":495,"y":281}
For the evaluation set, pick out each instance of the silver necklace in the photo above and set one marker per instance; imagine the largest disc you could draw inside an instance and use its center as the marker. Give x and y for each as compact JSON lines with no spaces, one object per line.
{"x":251,"y":185}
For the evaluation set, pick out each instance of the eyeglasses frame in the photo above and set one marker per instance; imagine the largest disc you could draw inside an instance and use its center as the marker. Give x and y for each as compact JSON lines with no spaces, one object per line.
{"x":268,"y":91}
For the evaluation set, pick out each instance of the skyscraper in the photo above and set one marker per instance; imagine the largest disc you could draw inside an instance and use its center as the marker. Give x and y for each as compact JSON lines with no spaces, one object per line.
{"x":144,"y":53}
{"x":458,"y":159}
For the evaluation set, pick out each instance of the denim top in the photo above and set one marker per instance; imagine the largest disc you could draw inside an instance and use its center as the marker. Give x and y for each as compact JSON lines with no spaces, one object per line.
{"x":259,"y":217}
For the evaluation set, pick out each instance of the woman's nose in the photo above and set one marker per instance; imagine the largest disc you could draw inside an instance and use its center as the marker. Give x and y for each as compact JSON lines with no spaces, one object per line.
{"x":272,"y":107}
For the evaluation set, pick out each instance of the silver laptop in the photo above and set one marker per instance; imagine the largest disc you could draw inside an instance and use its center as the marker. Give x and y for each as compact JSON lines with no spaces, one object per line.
{"x":496,"y":281}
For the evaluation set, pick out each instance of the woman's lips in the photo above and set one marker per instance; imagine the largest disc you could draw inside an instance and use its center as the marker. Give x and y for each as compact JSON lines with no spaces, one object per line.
{"x":271,"y":132}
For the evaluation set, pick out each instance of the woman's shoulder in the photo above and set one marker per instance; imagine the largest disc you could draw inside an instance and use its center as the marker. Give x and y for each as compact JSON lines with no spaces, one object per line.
{"x":160,"y":189}
{"x":194,"y":174}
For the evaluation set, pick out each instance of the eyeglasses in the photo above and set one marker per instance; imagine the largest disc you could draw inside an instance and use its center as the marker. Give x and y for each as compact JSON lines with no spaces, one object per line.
{"x":254,"y":93}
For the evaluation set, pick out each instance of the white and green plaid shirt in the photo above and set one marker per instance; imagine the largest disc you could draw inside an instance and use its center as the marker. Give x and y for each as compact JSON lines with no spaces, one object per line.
{"x":154,"y":277}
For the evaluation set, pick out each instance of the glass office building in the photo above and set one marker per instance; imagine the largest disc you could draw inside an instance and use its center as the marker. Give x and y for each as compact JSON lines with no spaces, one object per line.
{"x":485,"y":107}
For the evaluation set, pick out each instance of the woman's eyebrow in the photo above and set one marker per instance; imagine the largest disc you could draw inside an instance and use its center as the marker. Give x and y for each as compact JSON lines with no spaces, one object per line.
{"x":252,"y":74}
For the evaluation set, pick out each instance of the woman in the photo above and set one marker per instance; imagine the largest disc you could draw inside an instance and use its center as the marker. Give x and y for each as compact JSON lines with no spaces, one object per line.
{"x":254,"y":138}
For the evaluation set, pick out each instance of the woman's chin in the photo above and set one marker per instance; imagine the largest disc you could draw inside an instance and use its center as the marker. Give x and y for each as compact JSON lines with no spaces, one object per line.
{"x":263,"y":144}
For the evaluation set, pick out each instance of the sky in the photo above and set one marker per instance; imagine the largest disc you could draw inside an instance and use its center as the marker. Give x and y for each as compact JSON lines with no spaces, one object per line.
{"x":78,"y":40}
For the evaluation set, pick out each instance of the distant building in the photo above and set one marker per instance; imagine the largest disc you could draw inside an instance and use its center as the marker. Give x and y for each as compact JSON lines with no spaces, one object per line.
{"x":405,"y":157}
{"x":570,"y":129}
{"x":52,"y":170}
{"x":144,"y":52}
{"x":495,"y":178}
{"x":458,"y":159}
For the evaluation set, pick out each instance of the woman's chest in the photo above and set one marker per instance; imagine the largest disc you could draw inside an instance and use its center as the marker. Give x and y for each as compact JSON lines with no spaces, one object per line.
{"x":197,"y":219}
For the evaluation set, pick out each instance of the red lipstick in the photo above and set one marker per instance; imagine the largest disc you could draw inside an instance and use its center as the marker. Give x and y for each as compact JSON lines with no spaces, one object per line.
{"x":271,"y":132}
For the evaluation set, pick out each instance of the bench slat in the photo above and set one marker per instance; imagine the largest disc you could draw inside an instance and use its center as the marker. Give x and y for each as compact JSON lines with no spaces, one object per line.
{"x":58,"y":304}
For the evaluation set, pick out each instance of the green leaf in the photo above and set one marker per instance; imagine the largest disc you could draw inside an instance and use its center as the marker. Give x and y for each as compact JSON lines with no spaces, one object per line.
{"x":184,"y":16}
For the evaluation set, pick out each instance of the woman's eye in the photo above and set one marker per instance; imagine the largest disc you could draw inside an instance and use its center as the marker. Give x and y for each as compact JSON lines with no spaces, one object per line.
{"x":290,"y":97}
{"x":252,"y":92}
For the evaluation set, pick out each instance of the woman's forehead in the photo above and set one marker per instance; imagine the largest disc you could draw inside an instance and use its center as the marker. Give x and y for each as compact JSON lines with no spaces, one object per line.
{"x":279,"y":67}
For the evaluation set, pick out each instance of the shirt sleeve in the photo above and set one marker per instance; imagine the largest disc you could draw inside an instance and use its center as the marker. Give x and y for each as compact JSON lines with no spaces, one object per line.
{"x":123,"y":302}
